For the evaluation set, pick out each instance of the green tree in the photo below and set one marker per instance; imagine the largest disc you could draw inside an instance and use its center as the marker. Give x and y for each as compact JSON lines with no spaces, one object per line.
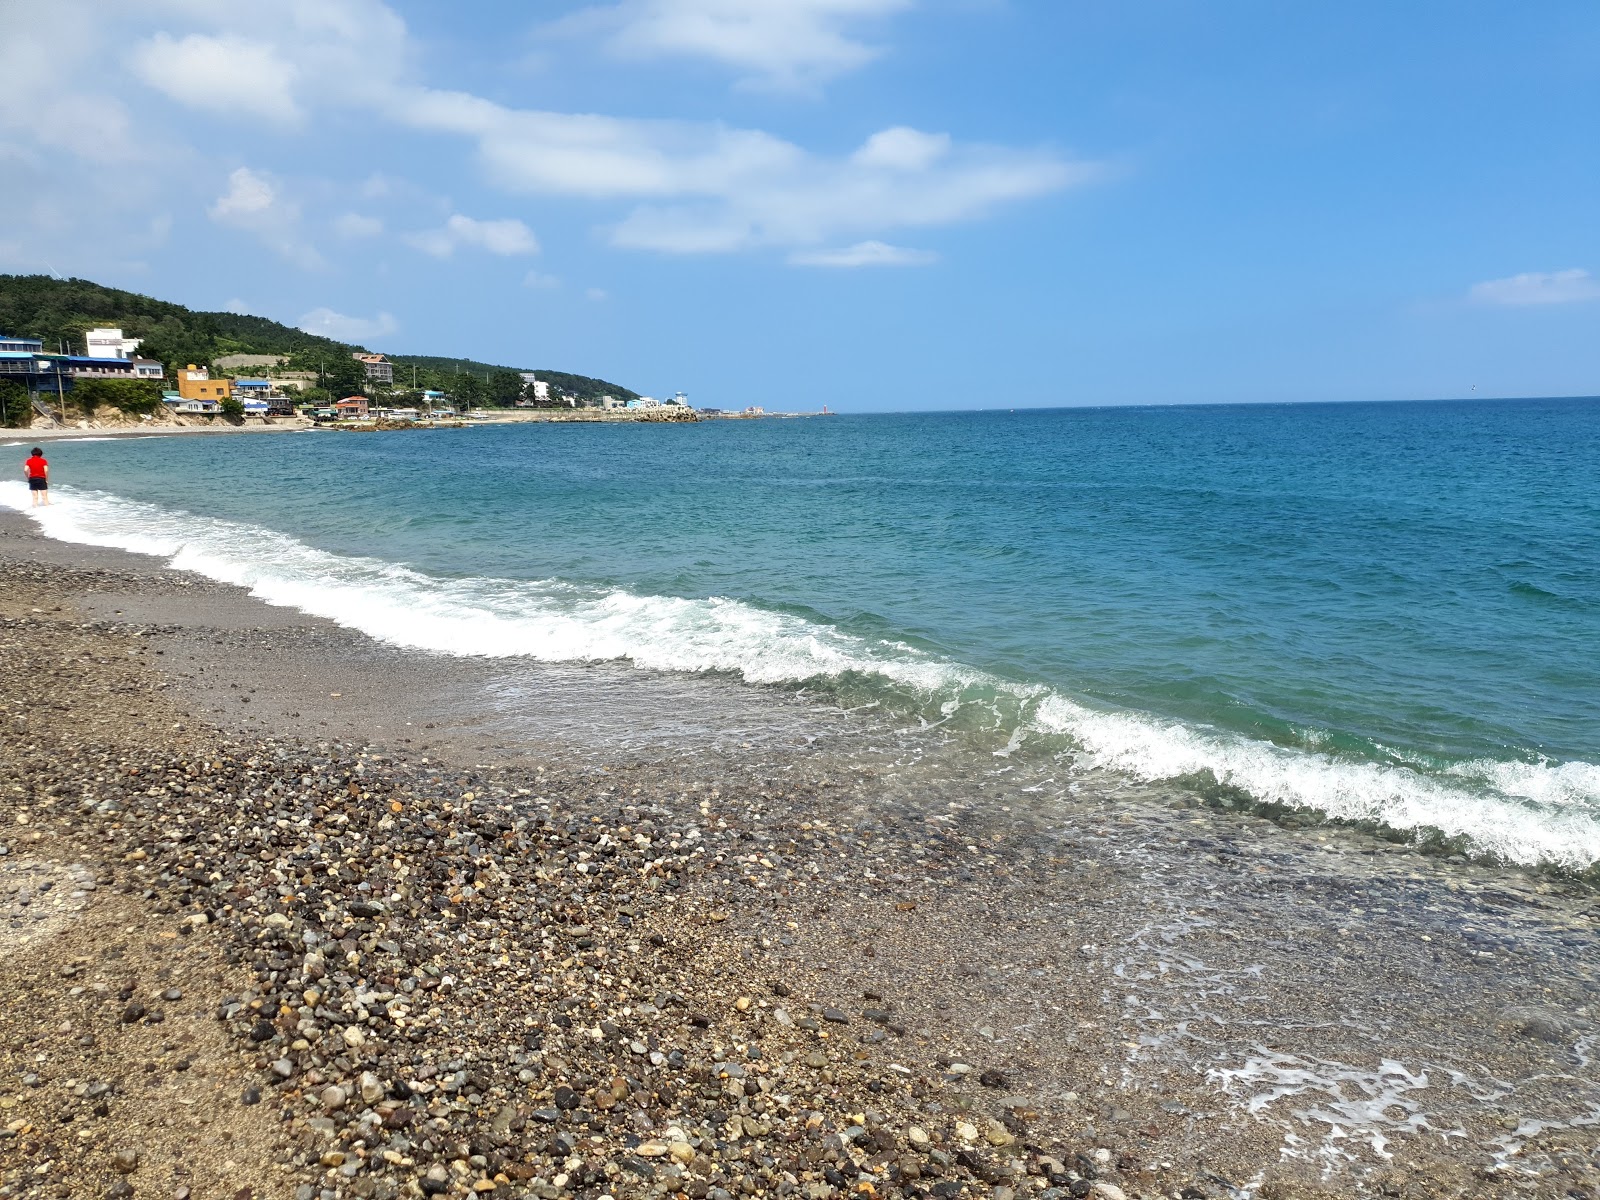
{"x":233,"y":408}
{"x":343,"y":376}
{"x":505,"y":388}
{"x":469,"y":391}
{"x":124,"y":395}
{"x":321,"y":397}
{"x":16,"y":408}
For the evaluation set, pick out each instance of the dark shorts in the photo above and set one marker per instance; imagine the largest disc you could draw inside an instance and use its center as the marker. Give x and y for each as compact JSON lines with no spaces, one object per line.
{"x":38,"y":483}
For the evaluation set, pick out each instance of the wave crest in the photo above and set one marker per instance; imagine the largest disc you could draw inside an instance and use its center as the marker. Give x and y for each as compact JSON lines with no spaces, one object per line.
{"x":1529,"y":813}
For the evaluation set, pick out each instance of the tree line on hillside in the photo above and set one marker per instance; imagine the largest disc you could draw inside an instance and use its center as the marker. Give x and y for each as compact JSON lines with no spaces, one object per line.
{"x":60,"y":311}
{"x":139,"y":397}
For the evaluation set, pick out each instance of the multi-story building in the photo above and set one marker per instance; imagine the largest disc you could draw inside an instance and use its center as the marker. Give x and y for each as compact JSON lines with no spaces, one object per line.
{"x":379,"y":369}
{"x":195,"y":383}
{"x":109,"y":343}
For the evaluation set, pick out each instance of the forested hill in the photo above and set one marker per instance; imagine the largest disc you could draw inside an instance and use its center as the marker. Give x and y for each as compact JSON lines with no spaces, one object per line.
{"x":581,"y":386}
{"x":61,"y":310}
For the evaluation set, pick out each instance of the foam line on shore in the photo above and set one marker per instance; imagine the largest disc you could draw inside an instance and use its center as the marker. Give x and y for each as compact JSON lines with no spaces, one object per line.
{"x":1525,"y":812}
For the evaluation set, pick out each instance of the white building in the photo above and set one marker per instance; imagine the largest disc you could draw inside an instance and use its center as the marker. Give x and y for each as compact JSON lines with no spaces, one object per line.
{"x":109,"y":343}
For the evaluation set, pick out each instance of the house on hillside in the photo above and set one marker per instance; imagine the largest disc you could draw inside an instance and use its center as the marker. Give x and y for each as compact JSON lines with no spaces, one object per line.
{"x":81,"y":366}
{"x":24,"y":360}
{"x":195,"y":383}
{"x":176,"y":402}
{"x":116,"y":354}
{"x":252,"y":389}
{"x":379,"y":369}
{"x":109,"y":343}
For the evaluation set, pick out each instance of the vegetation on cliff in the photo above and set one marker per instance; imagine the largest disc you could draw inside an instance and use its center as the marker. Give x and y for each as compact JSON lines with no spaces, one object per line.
{"x":59,"y":311}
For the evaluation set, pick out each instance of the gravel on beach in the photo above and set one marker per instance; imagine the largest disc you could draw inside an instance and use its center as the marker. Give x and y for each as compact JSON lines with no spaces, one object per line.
{"x":267,"y":965}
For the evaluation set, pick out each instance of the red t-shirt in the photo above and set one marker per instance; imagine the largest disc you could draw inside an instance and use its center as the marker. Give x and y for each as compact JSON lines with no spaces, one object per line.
{"x":35,"y":466}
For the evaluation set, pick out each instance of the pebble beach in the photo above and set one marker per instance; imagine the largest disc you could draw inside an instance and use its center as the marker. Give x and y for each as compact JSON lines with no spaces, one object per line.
{"x":253,"y":946}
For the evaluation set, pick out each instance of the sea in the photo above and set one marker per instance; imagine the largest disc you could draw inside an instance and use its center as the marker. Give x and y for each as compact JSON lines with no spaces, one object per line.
{"x":1386,"y":614}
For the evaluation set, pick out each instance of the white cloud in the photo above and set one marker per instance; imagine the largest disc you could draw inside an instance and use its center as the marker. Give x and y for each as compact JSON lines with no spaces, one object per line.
{"x":902,"y":149}
{"x":684,"y":187}
{"x":597,"y":295}
{"x":506,"y":238}
{"x":249,"y":196}
{"x":533,"y":279}
{"x":1537,"y":287}
{"x":811,"y":201}
{"x":864,"y":254}
{"x":237,"y":306}
{"x":712,"y":189}
{"x":254,"y":203}
{"x":226,"y":74}
{"x":355,"y":225}
{"x":785,"y":44}
{"x":341,"y":328}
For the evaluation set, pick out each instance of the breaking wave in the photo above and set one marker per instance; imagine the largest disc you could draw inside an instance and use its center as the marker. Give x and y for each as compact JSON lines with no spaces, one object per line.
{"x":1524,"y":812}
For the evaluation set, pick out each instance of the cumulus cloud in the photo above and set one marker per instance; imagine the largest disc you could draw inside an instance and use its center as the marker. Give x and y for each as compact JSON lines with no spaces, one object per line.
{"x":355,"y":225}
{"x":864,"y":254}
{"x":254,"y":202}
{"x":711,"y":189}
{"x":597,"y":295}
{"x":249,"y":197}
{"x":785,"y":44}
{"x":1537,"y":287}
{"x":681,"y":187}
{"x":506,"y":238}
{"x":224,"y":74}
{"x":341,"y":328}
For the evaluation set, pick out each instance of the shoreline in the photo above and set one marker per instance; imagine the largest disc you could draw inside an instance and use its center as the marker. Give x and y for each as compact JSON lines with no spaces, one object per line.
{"x":101,"y":433}
{"x":1115,"y":996}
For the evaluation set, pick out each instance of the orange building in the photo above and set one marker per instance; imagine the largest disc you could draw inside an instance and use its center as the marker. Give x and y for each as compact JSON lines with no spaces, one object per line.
{"x":195,"y":383}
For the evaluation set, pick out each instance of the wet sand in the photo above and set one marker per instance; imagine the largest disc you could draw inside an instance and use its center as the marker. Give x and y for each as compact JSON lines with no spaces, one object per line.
{"x":488,"y":927}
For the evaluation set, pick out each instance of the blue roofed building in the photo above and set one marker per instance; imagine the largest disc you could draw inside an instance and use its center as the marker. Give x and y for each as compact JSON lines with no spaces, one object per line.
{"x":254,"y":394}
{"x":24,"y":360}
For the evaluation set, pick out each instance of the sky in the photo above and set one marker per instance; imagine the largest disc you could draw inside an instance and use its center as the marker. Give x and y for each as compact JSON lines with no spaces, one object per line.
{"x":868,"y":204}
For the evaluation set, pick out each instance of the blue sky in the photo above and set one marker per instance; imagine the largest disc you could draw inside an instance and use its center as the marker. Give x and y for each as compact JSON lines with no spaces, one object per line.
{"x":874,"y":204}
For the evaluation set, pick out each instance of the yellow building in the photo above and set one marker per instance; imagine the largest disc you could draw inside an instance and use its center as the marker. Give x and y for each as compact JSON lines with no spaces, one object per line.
{"x":195,"y":383}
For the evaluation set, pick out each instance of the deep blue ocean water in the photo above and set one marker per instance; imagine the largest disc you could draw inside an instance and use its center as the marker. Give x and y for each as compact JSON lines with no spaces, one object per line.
{"x":1386,"y":611}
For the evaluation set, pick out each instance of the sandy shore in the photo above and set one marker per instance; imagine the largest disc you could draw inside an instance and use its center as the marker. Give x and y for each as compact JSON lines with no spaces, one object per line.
{"x":290,"y":913}
{"x":151,"y":429}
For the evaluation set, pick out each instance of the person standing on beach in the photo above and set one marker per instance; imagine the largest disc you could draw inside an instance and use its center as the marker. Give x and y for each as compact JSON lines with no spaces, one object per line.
{"x":37,"y":470}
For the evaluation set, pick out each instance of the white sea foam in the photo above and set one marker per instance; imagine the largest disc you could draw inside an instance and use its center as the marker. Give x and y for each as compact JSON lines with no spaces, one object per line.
{"x":1527,"y":812}
{"x":1492,"y":803}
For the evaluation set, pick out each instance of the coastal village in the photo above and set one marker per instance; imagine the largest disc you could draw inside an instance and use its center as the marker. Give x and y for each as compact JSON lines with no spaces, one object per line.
{"x":259,"y":387}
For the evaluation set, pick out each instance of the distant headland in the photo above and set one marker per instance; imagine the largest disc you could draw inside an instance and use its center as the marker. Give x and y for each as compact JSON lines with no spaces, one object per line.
{"x":74,"y":352}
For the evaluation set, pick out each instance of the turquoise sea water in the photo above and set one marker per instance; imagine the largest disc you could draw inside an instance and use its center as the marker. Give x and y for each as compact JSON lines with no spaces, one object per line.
{"x":1375,"y":611}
